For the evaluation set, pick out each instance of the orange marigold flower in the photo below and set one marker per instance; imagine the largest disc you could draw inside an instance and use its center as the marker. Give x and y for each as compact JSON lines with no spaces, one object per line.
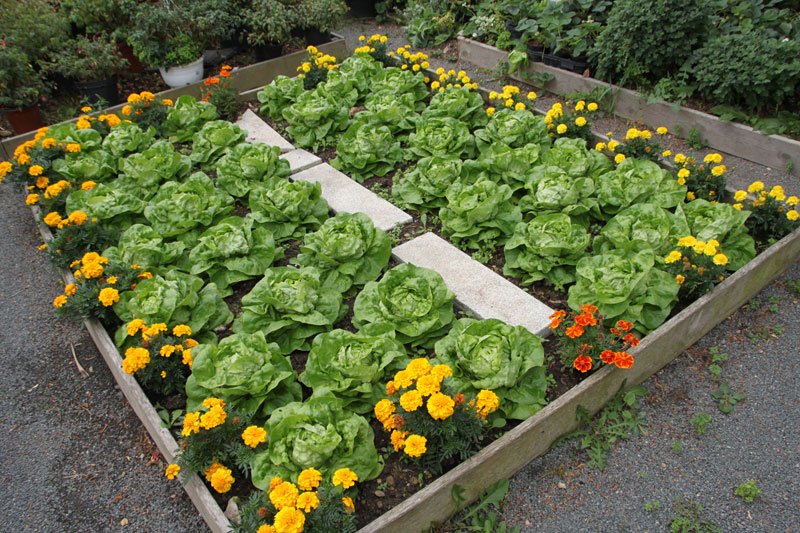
{"x":623,"y":360}
{"x":631,"y":339}
{"x":560,"y":313}
{"x":624,"y":325}
{"x":583,"y":364}
{"x":554,"y":323}
{"x":589,"y":308}
{"x":608,"y":357}
{"x":586,"y":319}
{"x":211,"y":81}
{"x":574,"y":331}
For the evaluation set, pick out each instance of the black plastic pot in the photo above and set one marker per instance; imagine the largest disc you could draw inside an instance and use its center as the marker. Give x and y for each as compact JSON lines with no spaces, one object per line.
{"x":551,"y":59}
{"x":535,"y":52}
{"x":577,"y":65}
{"x":511,"y":27}
{"x":264,"y":52}
{"x":95,"y":91}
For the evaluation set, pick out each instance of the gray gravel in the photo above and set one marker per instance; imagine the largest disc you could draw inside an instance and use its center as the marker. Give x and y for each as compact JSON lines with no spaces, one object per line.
{"x":75,"y":456}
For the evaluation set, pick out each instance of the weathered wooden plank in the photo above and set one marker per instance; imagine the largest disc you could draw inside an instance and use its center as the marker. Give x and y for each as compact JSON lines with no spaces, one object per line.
{"x":533,"y":437}
{"x":774,"y":151}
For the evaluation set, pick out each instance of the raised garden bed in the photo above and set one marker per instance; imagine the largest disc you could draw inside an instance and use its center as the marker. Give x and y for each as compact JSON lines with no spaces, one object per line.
{"x":775,"y":151}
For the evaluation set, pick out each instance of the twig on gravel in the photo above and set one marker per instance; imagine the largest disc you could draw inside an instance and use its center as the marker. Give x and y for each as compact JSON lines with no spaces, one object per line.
{"x":82,"y":371}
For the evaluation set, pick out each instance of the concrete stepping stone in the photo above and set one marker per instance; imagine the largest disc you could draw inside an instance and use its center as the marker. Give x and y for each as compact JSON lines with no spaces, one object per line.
{"x":345,"y":195}
{"x":301,"y":159}
{"x":477,"y":288}
{"x":259,"y":131}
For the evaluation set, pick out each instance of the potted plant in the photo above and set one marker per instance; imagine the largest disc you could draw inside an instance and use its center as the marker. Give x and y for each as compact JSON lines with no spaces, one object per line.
{"x":93,"y":64}
{"x":20,"y":89}
{"x":267,"y":25}
{"x":318,"y":17}
{"x":218,"y":23}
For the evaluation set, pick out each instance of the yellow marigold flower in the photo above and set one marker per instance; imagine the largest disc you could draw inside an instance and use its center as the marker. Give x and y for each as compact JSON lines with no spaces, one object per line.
{"x":415,"y":67}
{"x":631,"y":134}
{"x":777,"y":193}
{"x":684,"y":173}
{"x":186,"y":358}
{"x":519,"y":106}
{"x":5,"y":168}
{"x":52,"y":219}
{"x":35,"y":170}
{"x":403,"y":67}
{"x":561,"y":129}
{"x":134,"y":326}
{"x":710,"y":249}
{"x":42,"y":246}
{"x":440,"y":406}
{"x":307,"y":501}
{"x":266,"y":528}
{"x":214,"y":417}
{"x":145,"y":275}
{"x":673,"y":256}
{"x":70,"y":289}
{"x":415,"y":445}
{"x":349,"y":506}
{"x":135,"y":360}
{"x":720,"y":259}
{"x":59,"y":301}
{"x":719,"y":170}
{"x":383,"y":410}
{"x":592,"y":106}
{"x":83,"y":124}
{"x":580,"y":122}
{"x":48,"y":142}
{"x":344,"y":477}
{"x":738,"y":207}
{"x":361,"y":38}
{"x":393,"y":422}
{"x":398,"y":439}
{"x":220,"y":478}
{"x":756,"y":186}
{"x":403,"y":379}
{"x":679,"y":279}
{"x":23,"y":159}
{"x":190,"y":343}
{"x":172,"y":471}
{"x":134,"y":98}
{"x":127,"y":110}
{"x":792,"y":215}
{"x":309,"y":479}
{"x":32,"y":199}
{"x":687,"y":242}
{"x":580,"y":106}
{"x":645,"y":134}
{"x":531,"y":95}
{"x":73,"y":148}
{"x":681,"y":181}
{"x":690,"y":196}
{"x":661,"y":130}
{"x":619,"y":158}
{"x":427,"y":385}
{"x":391,"y":388}
{"x":490,"y":111}
{"x":699,"y":246}
{"x":410,"y":401}
{"x":740,"y":196}
{"x":108,"y":296}
{"x":612,"y":145}
{"x":680,"y":159}
{"x":181,"y":330}
{"x":792,"y":201}
{"x":167,"y":102}
{"x":418,"y":367}
{"x":486,"y":402}
{"x":274,"y":482}
{"x":113,"y":121}
{"x":435,"y":85}
{"x":77,"y":217}
{"x":509,"y":102}
{"x":439,"y":71}
{"x":666,"y":153}
{"x":441,"y":372}
{"x":167,"y":350}
{"x":154,"y":330}
{"x":112,"y":280}
{"x":254,"y":435}
{"x":493,"y":95}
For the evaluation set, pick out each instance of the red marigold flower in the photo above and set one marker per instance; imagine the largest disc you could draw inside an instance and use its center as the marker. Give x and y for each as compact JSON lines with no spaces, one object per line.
{"x":586,"y":319}
{"x":583,"y":364}
{"x":589,"y":309}
{"x":555,"y":323}
{"x":623,"y":360}
{"x":615,"y":331}
{"x":560,"y":313}
{"x":624,"y":325}
{"x":631,"y":339}
{"x":608,"y":357}
{"x":574,"y":331}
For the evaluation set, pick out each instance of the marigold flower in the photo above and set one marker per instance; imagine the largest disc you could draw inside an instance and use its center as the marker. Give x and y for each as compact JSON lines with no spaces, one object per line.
{"x":32,"y":199}
{"x":266,"y":528}
{"x":35,"y":170}
{"x":108,"y":296}
{"x":284,"y":495}
{"x":136,"y":359}
{"x":52,"y":219}
{"x":254,"y":435}
{"x":415,"y":445}
{"x":440,"y":406}
{"x":349,"y":506}
{"x":687,"y":242}
{"x":582,"y":363}
{"x":756,"y":186}
{"x":73,"y":148}
{"x":186,"y":358}
{"x":561,"y":129}
{"x":792,"y":201}
{"x":214,"y":417}
{"x":720,"y":259}
{"x":167,"y":350}
{"x":384,"y":409}
{"x":684,"y":173}
{"x":398,"y":439}
{"x":580,"y":122}
{"x":666,"y":153}
{"x":673,"y":256}
{"x":274,"y":482}
{"x":77,"y":217}
{"x":344,"y":477}
{"x":580,"y":106}
{"x":418,"y":367}
{"x":23,"y":159}
{"x":631,"y":134}
{"x":574,"y":331}
{"x":391,"y":388}
{"x":83,"y":124}
{"x":661,"y":130}
{"x":624,"y":325}
{"x":220,"y":478}
{"x":309,"y":479}
{"x":623,"y":360}
{"x":679,"y":279}
{"x":403,"y":379}
{"x":600,"y":146}
{"x":698,"y":247}
{"x":619,"y":158}
{"x":167,"y":102}
{"x":429,"y":384}
{"x":59,"y":301}
{"x":486,"y":402}
{"x":792,"y":215}
{"x":441,"y":372}
{"x":586,"y":319}
{"x":608,"y":356}
{"x":127,"y":110}
{"x":612,"y":145}
{"x":411,"y":401}
{"x":307,"y":501}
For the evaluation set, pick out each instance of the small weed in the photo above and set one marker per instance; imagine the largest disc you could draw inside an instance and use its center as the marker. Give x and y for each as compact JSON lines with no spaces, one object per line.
{"x":642,"y":475}
{"x":774,"y":302}
{"x":700,"y":422}
{"x":483,"y":515}
{"x":695,"y":140}
{"x":537,"y":79}
{"x":726,"y":398}
{"x":689,"y":519}
{"x":619,"y":420}
{"x":169,"y":419}
{"x":715,"y":370}
{"x":654,"y":505}
{"x":748,"y":491}
{"x":717,"y":357}
{"x":794,"y":286}
{"x":789,"y":166}
{"x":396,"y":234}
{"x":383,"y":191}
{"x":762,"y":333}
{"x":677,"y":447}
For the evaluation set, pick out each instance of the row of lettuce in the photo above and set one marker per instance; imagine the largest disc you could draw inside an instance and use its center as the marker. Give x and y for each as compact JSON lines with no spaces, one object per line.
{"x":605,"y":219}
{"x":161,"y":214}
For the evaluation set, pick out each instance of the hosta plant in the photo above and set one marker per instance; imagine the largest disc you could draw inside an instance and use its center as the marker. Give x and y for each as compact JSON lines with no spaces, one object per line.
{"x":367,"y":150}
{"x":290,"y":306}
{"x":479,"y":214}
{"x":246,"y":371}
{"x":490,"y":354}
{"x":249,"y":164}
{"x":425,"y":185}
{"x":347,"y":250}
{"x":288,"y":208}
{"x":413,"y":301}
{"x":548,"y":247}
{"x":353,"y":366}
{"x":213,"y":139}
{"x":317,"y":433}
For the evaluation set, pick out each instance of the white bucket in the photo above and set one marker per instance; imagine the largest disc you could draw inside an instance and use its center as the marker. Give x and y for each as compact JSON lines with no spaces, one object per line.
{"x":184,"y":74}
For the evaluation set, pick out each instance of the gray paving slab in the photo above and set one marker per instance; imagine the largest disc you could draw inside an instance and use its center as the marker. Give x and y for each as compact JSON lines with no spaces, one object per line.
{"x":345,"y":195}
{"x":479,"y":289}
{"x":300,"y":160}
{"x":259,"y":131}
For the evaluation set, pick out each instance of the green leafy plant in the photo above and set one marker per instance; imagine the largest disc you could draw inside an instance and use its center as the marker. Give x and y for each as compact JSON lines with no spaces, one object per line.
{"x":459,"y":103}
{"x":164,"y":35}
{"x":396,"y":81}
{"x":424,"y":186}
{"x":514,"y":128}
{"x":279,"y":94}
{"x":247,"y":165}
{"x":128,"y":138}
{"x":490,"y":354}
{"x":704,"y":180}
{"x":213,"y":139}
{"x":316,"y":117}
{"x":141,"y":245}
{"x":288,"y":208}
{"x":726,"y":398}
{"x":142,"y":172}
{"x":186,"y":117}
{"x":651,"y":506}
{"x":748,"y":491}
{"x":440,"y":136}
{"x":413,"y":301}
{"x":290,"y":306}
{"x":222,"y":94}
{"x":723,"y":223}
{"x":772,"y":214}
{"x":20,"y":84}
{"x":479,"y":214}
{"x":347,"y":249}
{"x":499,"y":162}
{"x":640,"y":227}
{"x":367,"y":150}
{"x":108,"y":204}
{"x":700,"y":422}
{"x":482,"y":515}
{"x":690,"y":519}
{"x":87,"y":59}
{"x":267,"y":22}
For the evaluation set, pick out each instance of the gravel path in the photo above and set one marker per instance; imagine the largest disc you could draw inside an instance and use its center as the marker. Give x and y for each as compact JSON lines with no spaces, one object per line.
{"x":75,"y":457}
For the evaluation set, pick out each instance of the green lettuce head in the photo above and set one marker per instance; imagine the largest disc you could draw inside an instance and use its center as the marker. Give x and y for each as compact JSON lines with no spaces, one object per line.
{"x":396,"y":112}
{"x":288,"y":208}
{"x":107,"y":203}
{"x":551,"y":190}
{"x":413,"y":301}
{"x":547,"y":247}
{"x":186,"y":117}
{"x":625,"y":286}
{"x":179,"y":207}
{"x":127,"y":138}
{"x":279,"y":94}
{"x":492,"y":355}
{"x":347,"y":249}
{"x":425,"y":185}
{"x":213,"y":139}
{"x":459,"y":103}
{"x":142,"y":245}
{"x":290,"y":306}
{"x":395,"y":81}
{"x":572,"y":156}
{"x":249,"y":164}
{"x":440,"y":136}
{"x":499,"y":162}
{"x":721,"y":222}
{"x":515,"y":128}
{"x":641,"y":227}
{"x":143,"y":172}
{"x":97,"y":166}
{"x":232,"y":250}
{"x":89,"y":138}
{"x":360,"y":70}
{"x":479,"y":213}
{"x":316,"y":118}
{"x":174,"y":298}
{"x":353,"y":366}
{"x":367,"y":150}
{"x":635,"y":181}
{"x":244,"y":370}
{"x":316,"y":433}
